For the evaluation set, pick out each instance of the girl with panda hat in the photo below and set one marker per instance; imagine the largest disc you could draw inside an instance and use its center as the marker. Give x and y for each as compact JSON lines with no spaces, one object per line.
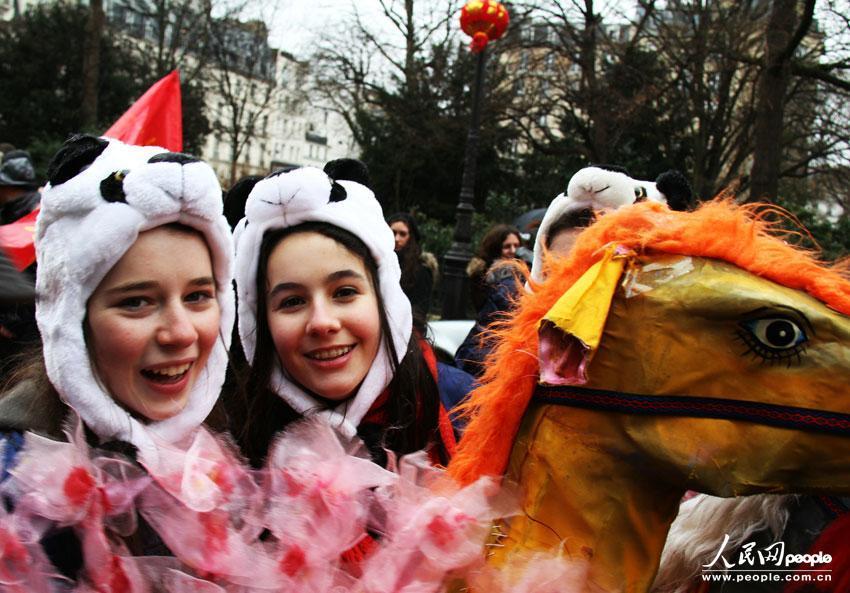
{"x":135,"y":302}
{"x":135,"y":308}
{"x":324,"y":323}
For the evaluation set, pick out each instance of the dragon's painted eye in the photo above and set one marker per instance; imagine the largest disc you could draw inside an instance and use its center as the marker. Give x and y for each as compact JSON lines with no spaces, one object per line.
{"x":777,"y":332}
{"x":774,"y":338}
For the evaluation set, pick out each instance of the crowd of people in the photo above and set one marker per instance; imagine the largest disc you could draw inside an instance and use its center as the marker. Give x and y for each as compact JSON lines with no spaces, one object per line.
{"x":167,"y":311}
{"x":136,"y":311}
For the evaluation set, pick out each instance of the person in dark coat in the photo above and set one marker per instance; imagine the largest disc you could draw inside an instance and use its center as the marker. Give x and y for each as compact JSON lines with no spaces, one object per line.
{"x":418,"y":269}
{"x":19,"y":196}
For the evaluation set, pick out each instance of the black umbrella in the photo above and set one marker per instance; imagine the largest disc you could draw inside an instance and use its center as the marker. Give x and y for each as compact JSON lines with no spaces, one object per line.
{"x":527,"y":222}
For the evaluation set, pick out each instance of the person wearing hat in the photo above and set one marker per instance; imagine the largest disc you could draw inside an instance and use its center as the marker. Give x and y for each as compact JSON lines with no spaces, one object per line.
{"x":135,"y":340}
{"x":18,"y":197}
{"x":18,"y":186}
{"x":324,"y":322}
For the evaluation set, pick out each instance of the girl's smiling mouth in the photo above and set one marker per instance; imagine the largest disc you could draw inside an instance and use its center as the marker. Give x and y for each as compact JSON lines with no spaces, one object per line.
{"x":329,"y":354}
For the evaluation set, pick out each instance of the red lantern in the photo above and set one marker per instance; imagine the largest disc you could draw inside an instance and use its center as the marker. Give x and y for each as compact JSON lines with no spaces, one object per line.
{"x":484,"y":21}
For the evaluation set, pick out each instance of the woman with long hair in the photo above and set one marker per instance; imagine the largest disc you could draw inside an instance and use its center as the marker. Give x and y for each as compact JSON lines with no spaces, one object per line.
{"x":418,"y":268}
{"x":500,"y":242}
{"x":325,"y":324}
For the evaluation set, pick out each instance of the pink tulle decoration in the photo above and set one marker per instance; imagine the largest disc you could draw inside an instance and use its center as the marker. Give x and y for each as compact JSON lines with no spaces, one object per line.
{"x":206,"y":475}
{"x":207,"y":542}
{"x":318,"y":496}
{"x":433,"y":528}
{"x":318,"y":486}
{"x":59,"y":481}
{"x":207,"y":507}
{"x":23,"y":565}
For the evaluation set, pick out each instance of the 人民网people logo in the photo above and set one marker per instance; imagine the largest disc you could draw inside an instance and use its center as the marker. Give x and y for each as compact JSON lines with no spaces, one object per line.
{"x":752,"y":563}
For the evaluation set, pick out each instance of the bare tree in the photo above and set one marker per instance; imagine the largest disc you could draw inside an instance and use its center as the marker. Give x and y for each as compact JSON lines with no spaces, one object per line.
{"x":749,"y":86}
{"x":243,"y":77}
{"x":802,"y":126}
{"x":559,"y":50}
{"x":784,"y":33}
{"x":360,"y":63}
{"x":703,"y":45}
{"x":391,"y":65}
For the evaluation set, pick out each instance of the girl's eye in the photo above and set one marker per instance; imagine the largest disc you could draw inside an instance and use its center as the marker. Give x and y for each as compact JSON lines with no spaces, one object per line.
{"x":290,"y":302}
{"x":346,"y":292}
{"x":133,"y":303}
{"x":774,"y":339}
{"x":200,"y":296}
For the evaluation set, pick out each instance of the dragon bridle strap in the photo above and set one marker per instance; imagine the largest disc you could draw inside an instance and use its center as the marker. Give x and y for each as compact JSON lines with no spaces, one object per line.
{"x":695,"y":407}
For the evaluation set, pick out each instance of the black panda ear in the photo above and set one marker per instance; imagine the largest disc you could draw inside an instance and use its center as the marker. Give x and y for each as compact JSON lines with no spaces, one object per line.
{"x":281,"y":171}
{"x":78,"y":152}
{"x":173,"y":157}
{"x":675,"y":187}
{"x":348,"y":170}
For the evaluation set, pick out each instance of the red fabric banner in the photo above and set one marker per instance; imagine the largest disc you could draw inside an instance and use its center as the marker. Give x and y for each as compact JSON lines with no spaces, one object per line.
{"x":18,"y":240}
{"x":156,"y":119}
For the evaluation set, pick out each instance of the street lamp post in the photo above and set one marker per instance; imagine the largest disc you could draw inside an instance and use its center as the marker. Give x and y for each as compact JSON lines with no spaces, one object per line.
{"x":484,"y":21}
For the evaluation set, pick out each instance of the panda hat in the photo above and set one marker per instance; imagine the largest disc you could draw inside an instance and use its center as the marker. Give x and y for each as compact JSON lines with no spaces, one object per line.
{"x":601,"y":189}
{"x":101,"y":194}
{"x":287,"y":199}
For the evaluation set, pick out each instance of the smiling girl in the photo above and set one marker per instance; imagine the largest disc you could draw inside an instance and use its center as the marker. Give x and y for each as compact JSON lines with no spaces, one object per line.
{"x":135,"y":309}
{"x":134,"y":298}
{"x":324,"y":322}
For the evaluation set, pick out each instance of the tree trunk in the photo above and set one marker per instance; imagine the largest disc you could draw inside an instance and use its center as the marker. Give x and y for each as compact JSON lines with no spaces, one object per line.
{"x":598,"y":135}
{"x":781,"y":40}
{"x":234,"y":156}
{"x":91,"y":64}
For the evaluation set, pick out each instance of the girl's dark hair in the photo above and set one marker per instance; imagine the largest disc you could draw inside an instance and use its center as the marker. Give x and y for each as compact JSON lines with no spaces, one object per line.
{"x":577,"y":219}
{"x":409,"y":255}
{"x":44,"y":403}
{"x":412,"y":406}
{"x":491,"y":245}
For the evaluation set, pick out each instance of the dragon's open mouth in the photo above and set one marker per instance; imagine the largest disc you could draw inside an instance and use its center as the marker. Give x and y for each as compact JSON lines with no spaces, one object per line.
{"x":563,"y":357}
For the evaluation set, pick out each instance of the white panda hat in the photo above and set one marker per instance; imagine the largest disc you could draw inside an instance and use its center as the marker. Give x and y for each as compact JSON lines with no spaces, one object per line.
{"x":287,"y":199}
{"x":597,"y":189}
{"x":101,"y":194}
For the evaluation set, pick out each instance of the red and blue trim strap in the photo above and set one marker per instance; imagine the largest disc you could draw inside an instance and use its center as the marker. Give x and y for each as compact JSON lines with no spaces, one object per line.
{"x":695,"y":407}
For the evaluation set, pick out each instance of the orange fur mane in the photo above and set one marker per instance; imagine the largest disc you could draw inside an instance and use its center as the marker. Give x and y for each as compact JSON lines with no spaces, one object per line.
{"x":739,"y":235}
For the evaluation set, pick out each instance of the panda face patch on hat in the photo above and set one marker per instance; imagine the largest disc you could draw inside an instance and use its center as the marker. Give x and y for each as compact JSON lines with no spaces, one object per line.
{"x":101,"y":194}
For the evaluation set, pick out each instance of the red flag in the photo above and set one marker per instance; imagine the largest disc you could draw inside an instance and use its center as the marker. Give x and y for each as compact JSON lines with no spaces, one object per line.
{"x":18,"y":240}
{"x":156,"y":119}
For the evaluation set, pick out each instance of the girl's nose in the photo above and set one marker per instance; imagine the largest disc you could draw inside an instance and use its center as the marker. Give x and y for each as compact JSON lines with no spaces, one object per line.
{"x":322,"y":319}
{"x":177,"y":329}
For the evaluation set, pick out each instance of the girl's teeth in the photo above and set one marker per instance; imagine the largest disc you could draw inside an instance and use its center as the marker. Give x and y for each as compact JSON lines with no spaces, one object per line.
{"x":172,"y":371}
{"x":330,"y":353}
